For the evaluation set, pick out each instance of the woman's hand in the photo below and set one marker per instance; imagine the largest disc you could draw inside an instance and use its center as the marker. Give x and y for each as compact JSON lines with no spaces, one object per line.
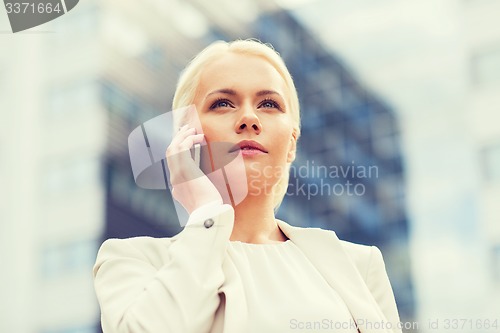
{"x":191,"y":187}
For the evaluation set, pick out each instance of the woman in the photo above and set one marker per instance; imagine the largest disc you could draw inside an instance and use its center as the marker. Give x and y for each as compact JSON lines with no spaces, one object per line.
{"x":237,"y":268}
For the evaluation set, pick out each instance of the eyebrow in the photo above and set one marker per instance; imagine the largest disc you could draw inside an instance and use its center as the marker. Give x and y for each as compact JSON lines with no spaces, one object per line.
{"x":267,"y":92}
{"x":222,"y":91}
{"x":233,"y":92}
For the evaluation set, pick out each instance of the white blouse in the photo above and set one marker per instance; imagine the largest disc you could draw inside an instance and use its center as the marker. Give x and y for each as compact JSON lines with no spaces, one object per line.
{"x":284,"y":291}
{"x":199,"y":281}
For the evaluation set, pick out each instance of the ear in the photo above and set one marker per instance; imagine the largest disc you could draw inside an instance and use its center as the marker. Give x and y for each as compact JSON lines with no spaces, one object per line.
{"x":292,"y":149}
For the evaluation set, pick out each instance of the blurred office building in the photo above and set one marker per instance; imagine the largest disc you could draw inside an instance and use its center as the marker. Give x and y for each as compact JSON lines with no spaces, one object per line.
{"x":482,"y":113}
{"x":53,"y":139}
{"x":438,"y":63}
{"x":108,"y":67}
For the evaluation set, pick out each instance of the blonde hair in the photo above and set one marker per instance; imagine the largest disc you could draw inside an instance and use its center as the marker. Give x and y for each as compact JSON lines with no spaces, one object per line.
{"x":189,"y":81}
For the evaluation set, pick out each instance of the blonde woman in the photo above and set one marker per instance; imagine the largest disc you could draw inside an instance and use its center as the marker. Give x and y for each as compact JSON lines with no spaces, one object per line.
{"x":238,"y":268}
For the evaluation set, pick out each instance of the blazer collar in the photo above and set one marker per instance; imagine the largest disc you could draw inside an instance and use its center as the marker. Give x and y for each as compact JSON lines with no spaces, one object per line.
{"x":326,"y":252}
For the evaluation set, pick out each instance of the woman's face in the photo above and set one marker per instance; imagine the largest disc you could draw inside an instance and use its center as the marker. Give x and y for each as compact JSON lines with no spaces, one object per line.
{"x":242,"y":99}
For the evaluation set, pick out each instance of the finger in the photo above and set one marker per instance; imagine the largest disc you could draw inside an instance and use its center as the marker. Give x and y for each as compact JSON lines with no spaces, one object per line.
{"x":180,"y":137}
{"x":186,"y":143}
{"x":184,"y":146}
{"x":183,"y":132}
{"x":189,"y":141}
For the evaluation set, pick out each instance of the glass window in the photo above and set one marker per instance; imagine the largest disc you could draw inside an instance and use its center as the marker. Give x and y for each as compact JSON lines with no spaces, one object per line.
{"x":72,"y":98}
{"x":52,"y":258}
{"x":61,"y":175}
{"x":154,"y":57}
{"x":382,"y":125}
{"x":125,"y":104}
{"x":61,"y":259}
{"x":74,"y":329}
{"x":80,"y":22}
{"x":486,"y":67}
{"x":151,"y":204}
{"x":491,"y":163}
{"x":354,"y":154}
{"x":385,"y":147}
{"x":349,"y":98}
{"x":496,"y":262}
{"x":82,"y":254}
{"x":361,"y":121}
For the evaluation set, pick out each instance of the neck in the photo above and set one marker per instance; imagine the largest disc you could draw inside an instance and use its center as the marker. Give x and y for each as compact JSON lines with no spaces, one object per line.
{"x":254,"y":221}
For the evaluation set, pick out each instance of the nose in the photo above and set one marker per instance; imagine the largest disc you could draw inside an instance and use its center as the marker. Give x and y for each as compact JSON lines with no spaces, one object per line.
{"x":248,"y":121}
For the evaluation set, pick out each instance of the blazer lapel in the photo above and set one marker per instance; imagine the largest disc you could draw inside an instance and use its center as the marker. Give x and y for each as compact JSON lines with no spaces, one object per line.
{"x":326,"y":253}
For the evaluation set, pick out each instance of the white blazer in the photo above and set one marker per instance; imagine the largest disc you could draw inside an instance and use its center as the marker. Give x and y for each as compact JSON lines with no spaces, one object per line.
{"x":184,"y":284}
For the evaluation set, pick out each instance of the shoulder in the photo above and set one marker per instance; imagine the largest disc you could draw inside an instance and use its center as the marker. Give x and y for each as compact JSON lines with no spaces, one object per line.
{"x":358,"y":252}
{"x":141,"y":241}
{"x":150,"y":249}
{"x":364,"y":257}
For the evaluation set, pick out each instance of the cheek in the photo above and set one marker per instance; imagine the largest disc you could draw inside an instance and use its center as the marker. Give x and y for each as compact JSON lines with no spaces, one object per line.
{"x":206,"y":124}
{"x":215,"y":130}
{"x":210,"y":131}
{"x":281,"y":146}
{"x":282,"y":133}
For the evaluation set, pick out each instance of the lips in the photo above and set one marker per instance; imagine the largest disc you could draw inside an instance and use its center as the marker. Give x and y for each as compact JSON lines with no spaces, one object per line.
{"x":248,"y":145}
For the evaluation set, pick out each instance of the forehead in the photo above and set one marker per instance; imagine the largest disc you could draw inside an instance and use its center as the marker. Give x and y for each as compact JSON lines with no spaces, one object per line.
{"x":240,"y":72}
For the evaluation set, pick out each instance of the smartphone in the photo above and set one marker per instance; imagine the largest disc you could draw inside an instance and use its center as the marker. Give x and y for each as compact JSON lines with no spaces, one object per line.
{"x":195,"y":154}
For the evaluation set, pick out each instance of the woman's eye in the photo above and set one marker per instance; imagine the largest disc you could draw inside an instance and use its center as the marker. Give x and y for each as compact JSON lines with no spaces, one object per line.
{"x":270,"y":104}
{"x":222,"y":103}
